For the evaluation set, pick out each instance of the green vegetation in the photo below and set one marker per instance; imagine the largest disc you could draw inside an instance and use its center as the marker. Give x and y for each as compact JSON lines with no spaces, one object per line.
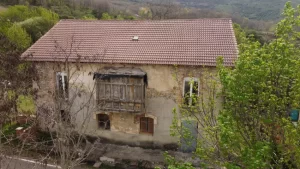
{"x":25,"y":105}
{"x":23,"y":25}
{"x":17,"y":35}
{"x":71,"y":9}
{"x":9,"y":131}
{"x":66,"y":12}
{"x":107,"y":16}
{"x":254,"y":128}
{"x":20,"y":26}
{"x":164,"y":9}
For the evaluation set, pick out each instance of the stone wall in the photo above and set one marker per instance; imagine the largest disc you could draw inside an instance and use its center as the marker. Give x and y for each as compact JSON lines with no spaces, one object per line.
{"x":163,"y":94}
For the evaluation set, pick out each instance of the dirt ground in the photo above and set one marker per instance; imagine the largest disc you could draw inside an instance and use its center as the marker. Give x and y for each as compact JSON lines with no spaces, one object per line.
{"x":148,"y":158}
{"x":2,"y":8}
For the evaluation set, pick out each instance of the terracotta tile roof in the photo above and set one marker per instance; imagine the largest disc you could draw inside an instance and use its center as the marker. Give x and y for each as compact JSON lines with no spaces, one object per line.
{"x":180,"y":42}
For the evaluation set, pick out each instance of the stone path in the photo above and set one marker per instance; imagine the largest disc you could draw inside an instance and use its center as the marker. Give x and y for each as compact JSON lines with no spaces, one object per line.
{"x":137,"y":155}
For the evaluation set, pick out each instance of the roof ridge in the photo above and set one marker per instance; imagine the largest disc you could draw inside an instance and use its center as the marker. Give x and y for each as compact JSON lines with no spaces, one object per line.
{"x":147,"y":20}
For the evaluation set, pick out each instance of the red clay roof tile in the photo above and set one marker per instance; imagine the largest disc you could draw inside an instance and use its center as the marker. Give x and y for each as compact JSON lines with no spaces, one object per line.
{"x":180,"y":42}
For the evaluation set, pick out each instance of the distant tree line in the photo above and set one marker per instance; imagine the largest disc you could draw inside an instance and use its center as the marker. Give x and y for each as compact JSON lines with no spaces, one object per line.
{"x":74,"y":9}
{"x":155,"y":9}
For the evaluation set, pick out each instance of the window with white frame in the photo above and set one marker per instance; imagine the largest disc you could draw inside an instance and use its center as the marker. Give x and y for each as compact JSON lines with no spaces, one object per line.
{"x":190,"y":90}
{"x":62,"y":85}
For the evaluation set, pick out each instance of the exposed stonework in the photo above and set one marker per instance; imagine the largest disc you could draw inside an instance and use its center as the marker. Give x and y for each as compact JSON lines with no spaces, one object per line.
{"x":152,"y":93}
{"x":163,"y":93}
{"x":124,"y":122}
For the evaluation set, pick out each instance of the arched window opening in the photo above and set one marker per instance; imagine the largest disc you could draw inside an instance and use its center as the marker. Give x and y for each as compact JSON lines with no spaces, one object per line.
{"x":103,"y":121}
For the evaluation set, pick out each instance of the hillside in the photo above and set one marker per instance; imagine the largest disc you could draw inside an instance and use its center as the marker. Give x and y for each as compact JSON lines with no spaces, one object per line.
{"x":165,"y":9}
{"x":252,"y":9}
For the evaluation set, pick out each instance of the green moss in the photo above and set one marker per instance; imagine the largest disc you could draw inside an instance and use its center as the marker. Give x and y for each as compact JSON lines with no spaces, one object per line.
{"x":11,"y":95}
{"x":10,"y":128}
{"x":25,"y":105}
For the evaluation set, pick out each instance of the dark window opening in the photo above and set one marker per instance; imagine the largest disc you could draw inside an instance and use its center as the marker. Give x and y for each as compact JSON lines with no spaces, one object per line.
{"x":62,"y":85}
{"x":146,"y":125}
{"x":191,"y":91}
{"x":65,"y":116}
{"x":104,"y":121}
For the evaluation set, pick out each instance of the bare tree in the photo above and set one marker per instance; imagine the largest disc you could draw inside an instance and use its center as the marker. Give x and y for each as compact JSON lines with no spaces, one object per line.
{"x":68,"y":117}
{"x":99,"y":7}
{"x":16,"y":78}
{"x":164,"y":9}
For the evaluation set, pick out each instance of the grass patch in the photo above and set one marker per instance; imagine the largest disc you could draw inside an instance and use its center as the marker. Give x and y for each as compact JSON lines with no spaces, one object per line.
{"x":25,"y":105}
{"x":10,"y":129}
{"x":44,"y":137}
{"x":9,"y":133}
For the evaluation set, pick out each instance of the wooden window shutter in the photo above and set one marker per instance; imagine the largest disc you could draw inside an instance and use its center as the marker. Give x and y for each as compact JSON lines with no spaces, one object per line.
{"x":146,"y":125}
{"x":143,"y":124}
{"x":150,"y":125}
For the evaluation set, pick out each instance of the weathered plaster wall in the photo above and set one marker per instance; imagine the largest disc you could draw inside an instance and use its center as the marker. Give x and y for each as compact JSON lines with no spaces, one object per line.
{"x":124,"y":122}
{"x":45,"y":84}
{"x":163,"y":93}
{"x":45,"y":87}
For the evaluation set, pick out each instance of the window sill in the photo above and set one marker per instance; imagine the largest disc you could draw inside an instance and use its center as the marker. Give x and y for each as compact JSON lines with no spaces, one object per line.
{"x":104,"y":129}
{"x":189,"y":106}
{"x":145,"y":133}
{"x":121,"y":110}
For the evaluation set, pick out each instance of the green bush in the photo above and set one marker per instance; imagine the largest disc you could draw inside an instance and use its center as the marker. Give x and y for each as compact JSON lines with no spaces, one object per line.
{"x":25,"y":105}
{"x":23,"y":25}
{"x":17,"y":35}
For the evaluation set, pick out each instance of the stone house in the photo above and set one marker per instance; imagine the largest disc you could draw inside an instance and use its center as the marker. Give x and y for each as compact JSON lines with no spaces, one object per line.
{"x":132,"y":74}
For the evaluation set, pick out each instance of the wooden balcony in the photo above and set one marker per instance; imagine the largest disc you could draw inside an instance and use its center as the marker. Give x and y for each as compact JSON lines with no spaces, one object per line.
{"x":121,"y":93}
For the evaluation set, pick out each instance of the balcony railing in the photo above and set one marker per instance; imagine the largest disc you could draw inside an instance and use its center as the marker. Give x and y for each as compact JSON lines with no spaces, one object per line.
{"x":121,"y":96}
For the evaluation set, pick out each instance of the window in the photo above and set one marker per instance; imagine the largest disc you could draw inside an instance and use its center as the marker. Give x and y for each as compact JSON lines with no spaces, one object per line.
{"x":191,"y":91}
{"x":65,"y":116}
{"x":294,"y":115}
{"x":120,"y":90}
{"x":104,"y":121}
{"x":62,"y":85}
{"x":189,"y":139}
{"x":146,"y":125}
